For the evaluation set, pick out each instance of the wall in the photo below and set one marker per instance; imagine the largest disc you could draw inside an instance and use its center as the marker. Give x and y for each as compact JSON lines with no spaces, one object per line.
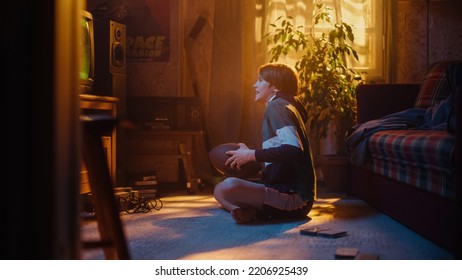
{"x":445,"y":36}
{"x":161,"y":77}
{"x":175,"y":77}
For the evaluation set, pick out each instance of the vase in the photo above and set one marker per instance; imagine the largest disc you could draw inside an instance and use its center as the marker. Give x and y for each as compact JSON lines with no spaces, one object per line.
{"x":334,"y":172}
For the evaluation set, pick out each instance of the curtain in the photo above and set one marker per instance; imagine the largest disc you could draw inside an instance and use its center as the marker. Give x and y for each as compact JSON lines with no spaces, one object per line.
{"x":233,"y":116}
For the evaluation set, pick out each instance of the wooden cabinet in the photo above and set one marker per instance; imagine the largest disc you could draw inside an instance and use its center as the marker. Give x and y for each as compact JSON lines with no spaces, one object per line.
{"x":157,"y":150}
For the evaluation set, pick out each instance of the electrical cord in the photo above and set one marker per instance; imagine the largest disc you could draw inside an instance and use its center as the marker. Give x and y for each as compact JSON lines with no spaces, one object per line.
{"x":130,"y":204}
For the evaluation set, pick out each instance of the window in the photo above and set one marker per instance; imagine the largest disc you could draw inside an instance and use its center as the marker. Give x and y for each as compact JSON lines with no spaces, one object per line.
{"x":367,"y":16}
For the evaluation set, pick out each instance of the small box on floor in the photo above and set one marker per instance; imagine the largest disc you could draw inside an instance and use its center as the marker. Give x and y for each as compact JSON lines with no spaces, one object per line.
{"x":346,"y":253}
{"x":332,"y":233}
{"x":367,"y":257}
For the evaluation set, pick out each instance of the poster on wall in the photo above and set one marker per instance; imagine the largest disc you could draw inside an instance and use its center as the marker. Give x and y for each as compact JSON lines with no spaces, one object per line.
{"x":148,"y":30}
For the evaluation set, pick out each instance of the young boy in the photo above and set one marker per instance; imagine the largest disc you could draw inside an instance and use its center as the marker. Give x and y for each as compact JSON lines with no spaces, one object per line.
{"x":288,"y":186}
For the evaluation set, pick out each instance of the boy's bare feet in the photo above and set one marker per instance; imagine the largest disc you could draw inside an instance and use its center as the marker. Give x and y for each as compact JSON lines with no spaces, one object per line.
{"x":244,"y":215}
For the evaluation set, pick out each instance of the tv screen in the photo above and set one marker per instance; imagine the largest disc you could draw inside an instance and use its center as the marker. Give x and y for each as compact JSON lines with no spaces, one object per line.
{"x":86,"y":49}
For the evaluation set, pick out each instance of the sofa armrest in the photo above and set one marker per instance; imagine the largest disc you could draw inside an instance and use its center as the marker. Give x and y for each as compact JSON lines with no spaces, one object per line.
{"x":377,"y":100}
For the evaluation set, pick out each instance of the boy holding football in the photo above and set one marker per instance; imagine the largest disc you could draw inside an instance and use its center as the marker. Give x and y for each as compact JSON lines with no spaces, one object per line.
{"x":288,"y":185}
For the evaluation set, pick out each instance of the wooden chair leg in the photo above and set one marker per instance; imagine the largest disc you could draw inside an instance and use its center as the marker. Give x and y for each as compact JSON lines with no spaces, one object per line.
{"x":106,"y":208}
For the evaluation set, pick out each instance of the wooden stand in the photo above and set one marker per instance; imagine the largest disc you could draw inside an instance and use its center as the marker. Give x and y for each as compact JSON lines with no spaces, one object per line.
{"x":104,"y":106}
{"x":101,"y":185}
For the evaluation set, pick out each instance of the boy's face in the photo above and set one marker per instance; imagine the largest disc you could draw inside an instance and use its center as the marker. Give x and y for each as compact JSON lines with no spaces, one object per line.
{"x":263,"y":90}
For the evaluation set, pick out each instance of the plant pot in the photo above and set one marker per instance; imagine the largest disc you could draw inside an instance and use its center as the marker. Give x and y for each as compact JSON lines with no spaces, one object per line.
{"x":334,"y":172}
{"x":329,"y":144}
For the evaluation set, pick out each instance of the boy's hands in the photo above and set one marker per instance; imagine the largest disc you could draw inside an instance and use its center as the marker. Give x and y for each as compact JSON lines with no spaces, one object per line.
{"x":240,"y":156}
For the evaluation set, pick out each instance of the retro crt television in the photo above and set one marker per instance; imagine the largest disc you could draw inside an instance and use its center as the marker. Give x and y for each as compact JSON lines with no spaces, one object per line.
{"x":86,"y":53}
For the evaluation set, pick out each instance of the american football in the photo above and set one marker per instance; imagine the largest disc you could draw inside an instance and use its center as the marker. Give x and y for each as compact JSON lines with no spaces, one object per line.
{"x":218,"y":158}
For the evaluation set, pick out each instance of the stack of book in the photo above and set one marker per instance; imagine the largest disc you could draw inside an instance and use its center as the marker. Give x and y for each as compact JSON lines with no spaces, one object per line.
{"x":158,"y":123}
{"x":145,"y":183}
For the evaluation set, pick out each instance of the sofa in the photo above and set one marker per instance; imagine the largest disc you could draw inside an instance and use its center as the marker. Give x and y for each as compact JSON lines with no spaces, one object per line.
{"x":404,"y":153}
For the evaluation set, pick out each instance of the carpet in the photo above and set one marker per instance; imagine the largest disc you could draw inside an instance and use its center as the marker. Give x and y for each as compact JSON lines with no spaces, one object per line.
{"x":194,"y":227}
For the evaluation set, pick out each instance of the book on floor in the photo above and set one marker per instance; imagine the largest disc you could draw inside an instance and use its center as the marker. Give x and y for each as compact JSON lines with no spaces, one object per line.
{"x":323,"y":232}
{"x":143,"y":180}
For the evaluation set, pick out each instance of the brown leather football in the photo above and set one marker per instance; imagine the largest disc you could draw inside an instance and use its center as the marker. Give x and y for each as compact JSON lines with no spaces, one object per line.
{"x":218,"y":158}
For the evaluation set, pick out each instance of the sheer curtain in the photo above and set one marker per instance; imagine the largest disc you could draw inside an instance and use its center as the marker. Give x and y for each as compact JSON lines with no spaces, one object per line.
{"x":239,"y":48}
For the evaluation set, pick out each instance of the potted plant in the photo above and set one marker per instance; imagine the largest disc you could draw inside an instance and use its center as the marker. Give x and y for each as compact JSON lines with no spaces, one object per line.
{"x":327,"y":83}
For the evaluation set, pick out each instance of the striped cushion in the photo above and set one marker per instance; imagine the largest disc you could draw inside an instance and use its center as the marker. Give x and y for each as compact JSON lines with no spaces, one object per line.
{"x":435,"y":86}
{"x":422,"y":158}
